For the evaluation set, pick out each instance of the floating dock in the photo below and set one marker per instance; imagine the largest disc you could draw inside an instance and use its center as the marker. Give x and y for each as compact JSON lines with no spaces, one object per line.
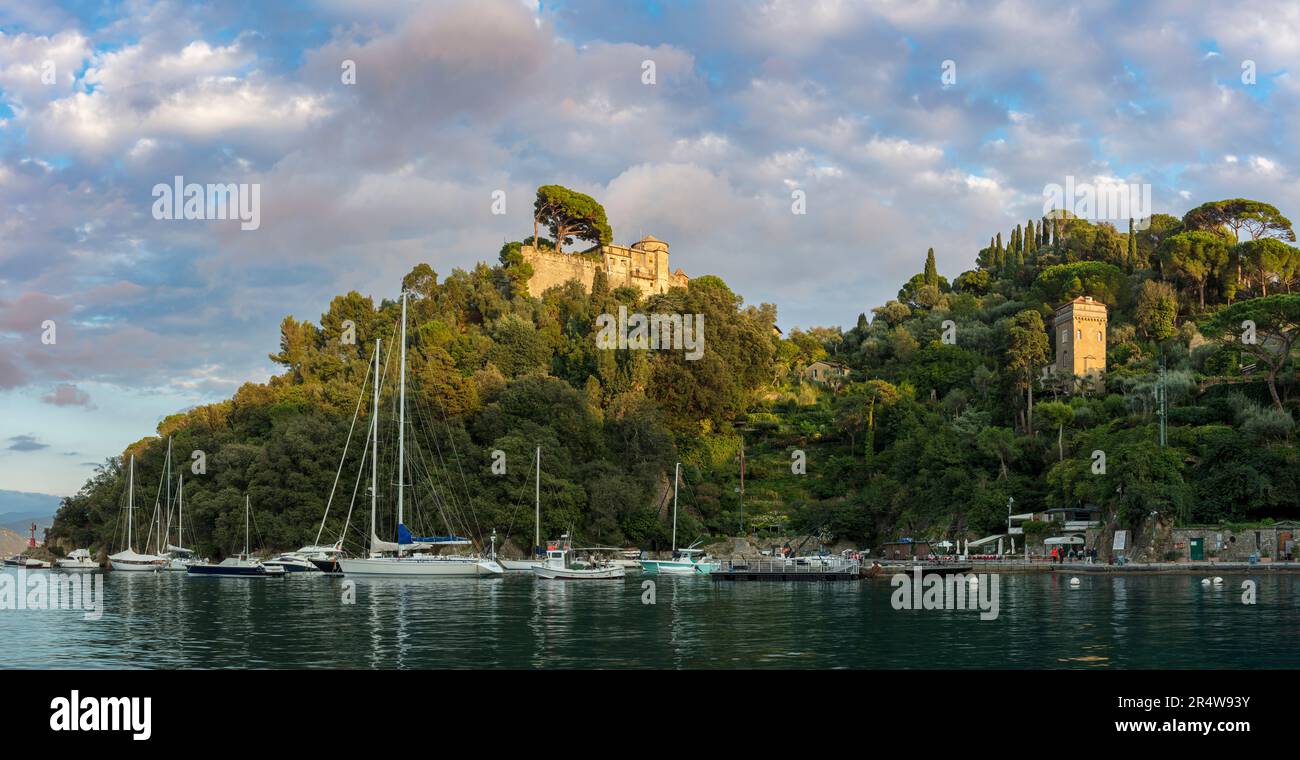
{"x":776,"y":570}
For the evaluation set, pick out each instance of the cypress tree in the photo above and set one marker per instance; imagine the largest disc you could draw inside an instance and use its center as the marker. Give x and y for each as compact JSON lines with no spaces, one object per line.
{"x":1132,"y":245}
{"x":931,"y":271}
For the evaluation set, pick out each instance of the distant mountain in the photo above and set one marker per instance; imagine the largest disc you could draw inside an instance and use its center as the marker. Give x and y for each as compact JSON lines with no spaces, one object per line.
{"x":19,"y":509}
{"x":11,"y":543}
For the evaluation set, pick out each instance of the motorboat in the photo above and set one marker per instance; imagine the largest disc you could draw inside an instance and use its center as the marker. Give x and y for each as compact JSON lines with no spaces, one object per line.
{"x":78,"y":560}
{"x":688,"y":561}
{"x":558,"y":566}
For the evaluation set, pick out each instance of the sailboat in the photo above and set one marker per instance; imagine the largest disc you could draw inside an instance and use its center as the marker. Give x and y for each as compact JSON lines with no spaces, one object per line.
{"x":688,"y":561}
{"x":398,"y":558}
{"x":240,"y":566}
{"x":178,"y":557}
{"x":529,"y":564}
{"x":128,"y":559}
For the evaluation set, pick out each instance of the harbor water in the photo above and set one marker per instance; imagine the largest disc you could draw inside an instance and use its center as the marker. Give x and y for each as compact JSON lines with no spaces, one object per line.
{"x":170,"y":620}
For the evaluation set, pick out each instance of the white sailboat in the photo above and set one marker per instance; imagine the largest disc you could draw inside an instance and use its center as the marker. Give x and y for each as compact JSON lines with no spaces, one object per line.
{"x":688,"y":561}
{"x":397,"y":558}
{"x":178,"y":557}
{"x":528,"y":564}
{"x":128,"y":559}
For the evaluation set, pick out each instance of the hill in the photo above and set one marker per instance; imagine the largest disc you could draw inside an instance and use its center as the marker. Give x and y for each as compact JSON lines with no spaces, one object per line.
{"x":944,"y":415}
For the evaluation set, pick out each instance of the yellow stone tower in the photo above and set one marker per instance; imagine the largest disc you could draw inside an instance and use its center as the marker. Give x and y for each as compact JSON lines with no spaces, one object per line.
{"x":1081,"y":337}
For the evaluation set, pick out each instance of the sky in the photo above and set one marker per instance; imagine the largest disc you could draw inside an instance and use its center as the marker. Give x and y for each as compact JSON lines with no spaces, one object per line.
{"x":455,"y":105}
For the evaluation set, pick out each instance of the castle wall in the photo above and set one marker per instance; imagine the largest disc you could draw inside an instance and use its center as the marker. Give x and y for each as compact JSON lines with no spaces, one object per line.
{"x":551,"y":269}
{"x":643,"y":268}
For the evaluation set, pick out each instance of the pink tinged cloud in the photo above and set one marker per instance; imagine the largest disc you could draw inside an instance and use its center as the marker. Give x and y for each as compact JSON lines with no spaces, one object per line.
{"x":66,"y":394}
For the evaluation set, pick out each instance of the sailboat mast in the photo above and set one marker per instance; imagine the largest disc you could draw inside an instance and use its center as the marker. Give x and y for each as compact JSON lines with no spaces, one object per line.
{"x":169,"y":497}
{"x":130,"y":504}
{"x":374,"y":446}
{"x":180,"y":509}
{"x":537,"y":500}
{"x":245,"y":526}
{"x":401,"y":419}
{"x":676,"y":473}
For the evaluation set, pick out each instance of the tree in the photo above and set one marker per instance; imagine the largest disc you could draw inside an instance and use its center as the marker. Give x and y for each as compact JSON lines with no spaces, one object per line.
{"x":884,"y":393}
{"x":1276,"y":325}
{"x":1266,"y":260}
{"x":931,"y":272}
{"x":1056,"y":414}
{"x":1255,"y":218}
{"x":570,"y":215}
{"x":1196,"y":257}
{"x":1027,"y":351}
{"x":1157,"y":310}
{"x":1062,"y":282}
{"x":998,"y":442}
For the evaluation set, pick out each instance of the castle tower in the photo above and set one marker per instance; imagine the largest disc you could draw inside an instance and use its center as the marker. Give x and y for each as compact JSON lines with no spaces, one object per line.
{"x":1080,"y":327}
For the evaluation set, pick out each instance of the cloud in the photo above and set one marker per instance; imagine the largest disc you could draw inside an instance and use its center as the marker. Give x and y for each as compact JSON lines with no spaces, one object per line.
{"x":26,"y":443}
{"x":66,"y":394}
{"x":456,"y":99}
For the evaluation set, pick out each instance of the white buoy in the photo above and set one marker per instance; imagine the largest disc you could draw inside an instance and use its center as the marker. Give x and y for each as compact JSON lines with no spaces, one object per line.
{"x":1074,"y":581}
{"x":1205,"y":581}
{"x":1218,"y":580}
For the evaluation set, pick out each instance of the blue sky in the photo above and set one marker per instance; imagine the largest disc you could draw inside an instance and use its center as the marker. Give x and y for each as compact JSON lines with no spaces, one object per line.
{"x":455,"y":100}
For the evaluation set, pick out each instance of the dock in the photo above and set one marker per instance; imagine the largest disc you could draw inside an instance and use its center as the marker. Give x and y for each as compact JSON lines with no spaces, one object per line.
{"x":776,"y":570}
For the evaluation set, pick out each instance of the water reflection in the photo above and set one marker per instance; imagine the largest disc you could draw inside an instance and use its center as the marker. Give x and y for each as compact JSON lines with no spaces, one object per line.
{"x":173,"y":621}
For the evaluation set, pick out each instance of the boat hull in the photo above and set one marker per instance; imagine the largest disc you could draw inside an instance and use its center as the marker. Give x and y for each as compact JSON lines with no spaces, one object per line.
{"x":68,"y":566}
{"x":419,"y":567}
{"x":576,"y":574}
{"x":234,"y":572}
{"x":677,"y":567}
{"x":521,"y":565}
{"x":136,"y":566}
{"x":328,"y":566}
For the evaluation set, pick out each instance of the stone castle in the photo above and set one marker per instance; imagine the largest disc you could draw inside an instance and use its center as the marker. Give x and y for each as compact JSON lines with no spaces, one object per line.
{"x":1081,"y":337}
{"x":643,"y":265}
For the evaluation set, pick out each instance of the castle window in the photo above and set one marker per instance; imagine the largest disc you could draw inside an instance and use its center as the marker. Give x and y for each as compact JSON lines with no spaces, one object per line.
{"x":1080,"y":335}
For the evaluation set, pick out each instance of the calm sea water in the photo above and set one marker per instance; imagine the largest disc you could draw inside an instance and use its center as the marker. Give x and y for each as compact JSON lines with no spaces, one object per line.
{"x":1136,"y":621}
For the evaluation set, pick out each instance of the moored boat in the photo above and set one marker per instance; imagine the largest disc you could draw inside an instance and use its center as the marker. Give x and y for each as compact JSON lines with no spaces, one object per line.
{"x":292,"y":562}
{"x":129,"y":559}
{"x":76,"y":561}
{"x":240,"y":565}
{"x":557,"y":567}
{"x":407,"y":556}
{"x":688,"y":561}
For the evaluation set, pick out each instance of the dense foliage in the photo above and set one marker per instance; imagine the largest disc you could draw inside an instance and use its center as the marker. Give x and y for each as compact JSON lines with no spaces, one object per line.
{"x":946,"y":414}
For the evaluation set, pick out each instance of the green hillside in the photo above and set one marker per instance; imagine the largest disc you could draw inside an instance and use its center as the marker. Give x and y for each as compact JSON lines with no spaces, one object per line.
{"x":945,"y":414}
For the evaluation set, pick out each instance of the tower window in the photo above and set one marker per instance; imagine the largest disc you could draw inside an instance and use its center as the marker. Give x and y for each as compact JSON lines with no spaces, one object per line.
{"x":1080,"y":336}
